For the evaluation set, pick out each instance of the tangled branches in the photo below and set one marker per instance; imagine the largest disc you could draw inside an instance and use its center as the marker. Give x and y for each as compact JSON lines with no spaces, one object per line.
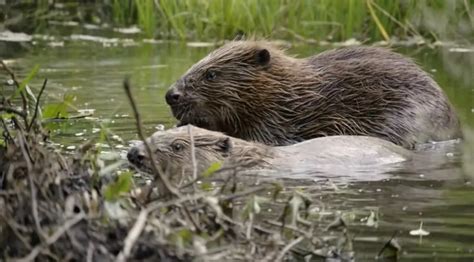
{"x":54,"y":207}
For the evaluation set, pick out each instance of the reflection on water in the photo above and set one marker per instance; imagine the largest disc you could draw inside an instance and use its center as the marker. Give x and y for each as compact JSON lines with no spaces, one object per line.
{"x":435,"y":188}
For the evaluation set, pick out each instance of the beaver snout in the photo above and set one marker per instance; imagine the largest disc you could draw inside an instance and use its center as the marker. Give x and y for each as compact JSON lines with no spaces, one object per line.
{"x":173,"y":97}
{"x":135,"y":156}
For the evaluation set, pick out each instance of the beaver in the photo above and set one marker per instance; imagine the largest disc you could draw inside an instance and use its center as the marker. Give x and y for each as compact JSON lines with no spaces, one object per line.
{"x":173,"y":152}
{"x":255,"y":91}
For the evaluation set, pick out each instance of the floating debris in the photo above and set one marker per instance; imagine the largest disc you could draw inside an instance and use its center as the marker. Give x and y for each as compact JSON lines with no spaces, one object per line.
{"x":63,"y":23}
{"x":128,"y":30}
{"x":71,"y":147}
{"x":14,"y":37}
{"x":419,"y":232}
{"x":461,"y":50}
{"x":200,"y":44}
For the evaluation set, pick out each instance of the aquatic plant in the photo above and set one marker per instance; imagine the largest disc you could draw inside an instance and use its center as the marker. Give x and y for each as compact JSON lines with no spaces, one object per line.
{"x":329,"y":20}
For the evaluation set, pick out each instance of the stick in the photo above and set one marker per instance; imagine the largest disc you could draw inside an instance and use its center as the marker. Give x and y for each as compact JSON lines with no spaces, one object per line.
{"x":37,"y":105}
{"x":132,"y":236}
{"x":53,"y":238}
{"x":288,"y":248}
{"x":34,"y":203}
{"x":193,"y":152}
{"x":13,"y":77}
{"x":13,"y":111}
{"x":161,"y":179}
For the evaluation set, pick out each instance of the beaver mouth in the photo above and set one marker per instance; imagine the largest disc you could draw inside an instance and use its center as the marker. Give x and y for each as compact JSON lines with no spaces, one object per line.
{"x":187,"y":114}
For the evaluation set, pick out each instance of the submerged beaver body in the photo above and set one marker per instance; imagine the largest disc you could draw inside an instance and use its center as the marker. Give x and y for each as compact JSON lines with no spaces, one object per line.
{"x":173,"y":152}
{"x":254,"y":91}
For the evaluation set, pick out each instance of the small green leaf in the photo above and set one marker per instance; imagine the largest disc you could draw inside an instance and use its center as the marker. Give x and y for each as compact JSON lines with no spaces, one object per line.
{"x":206,"y":186}
{"x":55,"y":110}
{"x":7,"y":115}
{"x":212,"y":169}
{"x":122,"y":185}
{"x":25,"y":81}
{"x":58,"y":110}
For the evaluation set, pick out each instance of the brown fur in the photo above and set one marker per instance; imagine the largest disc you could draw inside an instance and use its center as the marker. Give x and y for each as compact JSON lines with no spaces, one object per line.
{"x":172,"y":152}
{"x":209,"y":147}
{"x":254,"y":91}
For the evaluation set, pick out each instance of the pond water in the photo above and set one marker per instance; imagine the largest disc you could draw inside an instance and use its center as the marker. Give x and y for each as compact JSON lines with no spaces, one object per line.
{"x":437,"y":189}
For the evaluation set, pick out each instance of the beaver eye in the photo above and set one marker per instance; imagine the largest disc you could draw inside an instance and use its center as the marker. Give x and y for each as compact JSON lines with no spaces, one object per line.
{"x":211,"y":75}
{"x":177,"y":147}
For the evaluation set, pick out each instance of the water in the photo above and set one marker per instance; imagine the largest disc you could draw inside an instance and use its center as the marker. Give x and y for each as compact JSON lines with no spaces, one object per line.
{"x":435,"y":189}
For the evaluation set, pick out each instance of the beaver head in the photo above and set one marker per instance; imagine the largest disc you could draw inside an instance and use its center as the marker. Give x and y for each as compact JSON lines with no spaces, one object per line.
{"x":238,"y":89}
{"x":172,"y":150}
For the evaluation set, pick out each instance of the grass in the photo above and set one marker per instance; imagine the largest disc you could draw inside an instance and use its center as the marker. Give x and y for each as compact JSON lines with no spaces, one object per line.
{"x":320,"y":20}
{"x":331,"y":20}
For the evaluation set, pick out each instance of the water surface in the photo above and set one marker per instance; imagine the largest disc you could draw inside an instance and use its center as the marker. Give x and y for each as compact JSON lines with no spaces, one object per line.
{"x":436,"y":189}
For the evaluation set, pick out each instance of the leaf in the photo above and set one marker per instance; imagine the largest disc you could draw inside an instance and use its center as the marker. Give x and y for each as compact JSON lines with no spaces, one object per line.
{"x":122,"y":185}
{"x":55,"y":110}
{"x":212,"y":169}
{"x":7,"y":115}
{"x":25,"y":81}
{"x":58,"y":110}
{"x":207,"y":186}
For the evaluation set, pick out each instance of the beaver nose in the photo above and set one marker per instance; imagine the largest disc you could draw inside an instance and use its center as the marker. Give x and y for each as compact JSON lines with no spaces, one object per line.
{"x":135,"y":156}
{"x":172,"y":97}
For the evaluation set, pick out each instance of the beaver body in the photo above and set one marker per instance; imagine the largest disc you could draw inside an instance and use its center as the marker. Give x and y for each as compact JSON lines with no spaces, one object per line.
{"x":254,"y":91}
{"x":173,"y":152}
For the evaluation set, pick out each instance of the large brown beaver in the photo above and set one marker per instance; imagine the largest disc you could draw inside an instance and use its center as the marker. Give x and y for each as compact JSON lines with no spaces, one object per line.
{"x":173,"y":152}
{"x":254,"y":91}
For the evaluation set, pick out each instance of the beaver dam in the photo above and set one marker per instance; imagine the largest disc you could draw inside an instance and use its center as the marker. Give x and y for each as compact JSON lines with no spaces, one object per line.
{"x":67,"y":192}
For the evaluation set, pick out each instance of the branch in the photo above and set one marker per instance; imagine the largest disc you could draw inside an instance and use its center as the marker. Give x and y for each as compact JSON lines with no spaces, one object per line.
{"x":17,"y":84}
{"x":161,"y":179}
{"x":53,"y":238}
{"x":132,"y":236}
{"x":37,"y":105}
{"x":11,"y":110}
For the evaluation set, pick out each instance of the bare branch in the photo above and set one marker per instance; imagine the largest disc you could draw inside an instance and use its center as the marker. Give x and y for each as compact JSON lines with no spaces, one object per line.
{"x":159,"y":177}
{"x":33,"y":119}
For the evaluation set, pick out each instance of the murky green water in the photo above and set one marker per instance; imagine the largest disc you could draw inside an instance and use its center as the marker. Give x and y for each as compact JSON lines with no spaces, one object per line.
{"x":436,"y":189}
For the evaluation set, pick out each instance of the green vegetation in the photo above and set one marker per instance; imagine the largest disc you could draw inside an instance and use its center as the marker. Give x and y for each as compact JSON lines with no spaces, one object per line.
{"x":321,"y":20}
{"x":332,"y":20}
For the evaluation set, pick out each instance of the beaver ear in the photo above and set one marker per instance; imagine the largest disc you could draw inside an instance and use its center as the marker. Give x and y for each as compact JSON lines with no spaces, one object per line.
{"x":262,"y":57}
{"x":224,"y":144}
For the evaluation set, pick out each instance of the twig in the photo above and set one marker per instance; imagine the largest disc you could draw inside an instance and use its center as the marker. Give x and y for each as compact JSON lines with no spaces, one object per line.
{"x":193,"y":152}
{"x":90,"y":252}
{"x":288,"y":248}
{"x":17,"y":84}
{"x":6,"y":133}
{"x":154,"y":206}
{"x":283,"y":226}
{"x":191,"y":218}
{"x":243,"y":193}
{"x":34,"y":202}
{"x":161,"y":179}
{"x":53,"y":238}
{"x":132,"y":236}
{"x":33,"y":119}
{"x":13,"y":111}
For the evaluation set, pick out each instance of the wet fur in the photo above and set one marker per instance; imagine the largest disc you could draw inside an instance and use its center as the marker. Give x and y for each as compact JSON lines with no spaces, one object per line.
{"x":314,"y":154}
{"x":284,"y":100}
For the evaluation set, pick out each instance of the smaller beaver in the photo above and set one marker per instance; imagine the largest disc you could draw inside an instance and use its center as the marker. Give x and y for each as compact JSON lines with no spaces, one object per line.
{"x":173,"y":152}
{"x":254,"y":91}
